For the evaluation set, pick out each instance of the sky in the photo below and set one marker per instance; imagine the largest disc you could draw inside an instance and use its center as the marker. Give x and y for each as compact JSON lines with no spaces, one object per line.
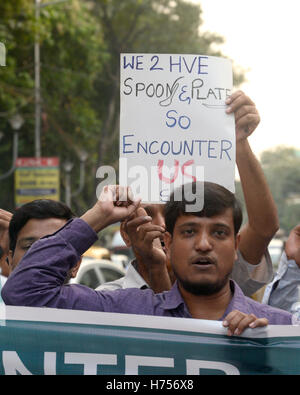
{"x":262,"y":37}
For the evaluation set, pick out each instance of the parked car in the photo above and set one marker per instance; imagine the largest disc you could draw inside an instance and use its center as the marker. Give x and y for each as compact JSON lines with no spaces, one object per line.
{"x":94,"y":272}
{"x":97,"y":252}
{"x":276,"y":248}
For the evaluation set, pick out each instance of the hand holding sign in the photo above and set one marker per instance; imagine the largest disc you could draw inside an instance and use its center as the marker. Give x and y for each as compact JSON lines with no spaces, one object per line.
{"x":246,"y":115}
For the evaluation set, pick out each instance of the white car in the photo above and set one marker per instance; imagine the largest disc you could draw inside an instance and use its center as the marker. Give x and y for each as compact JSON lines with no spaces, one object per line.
{"x":276,"y":248}
{"x":94,"y":272}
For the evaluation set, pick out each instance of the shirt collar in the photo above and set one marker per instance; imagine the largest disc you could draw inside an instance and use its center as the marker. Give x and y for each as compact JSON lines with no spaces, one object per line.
{"x":173,"y":299}
{"x":237,"y":301}
{"x":133,"y":279}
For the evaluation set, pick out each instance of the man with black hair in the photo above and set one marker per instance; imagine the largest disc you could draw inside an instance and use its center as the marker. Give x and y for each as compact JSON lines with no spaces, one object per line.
{"x":202,"y":250}
{"x":31,"y":222}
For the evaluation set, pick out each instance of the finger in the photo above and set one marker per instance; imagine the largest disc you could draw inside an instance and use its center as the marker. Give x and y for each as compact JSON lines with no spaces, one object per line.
{"x":132,"y":225}
{"x":232,"y":320}
{"x":245,"y":110}
{"x":139,"y":212}
{"x":142,"y":212}
{"x":244,"y":323}
{"x":238,"y":102}
{"x":234,"y":96}
{"x":145,"y":229}
{"x":148,"y":227}
{"x":150,"y":236}
{"x":158,"y":243}
{"x":121,"y":194}
{"x":107,"y":194}
{"x":259,"y":322}
{"x":5,"y":213}
{"x":5,"y":216}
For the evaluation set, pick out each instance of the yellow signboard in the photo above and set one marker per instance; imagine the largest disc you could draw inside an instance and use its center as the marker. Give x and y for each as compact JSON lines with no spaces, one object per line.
{"x":36,"y":178}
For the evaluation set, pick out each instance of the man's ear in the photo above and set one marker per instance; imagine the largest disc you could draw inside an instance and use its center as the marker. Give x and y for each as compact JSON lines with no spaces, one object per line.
{"x":124,"y":234}
{"x":237,"y":242}
{"x":8,"y":260}
{"x":168,"y":242}
{"x":75,"y":269}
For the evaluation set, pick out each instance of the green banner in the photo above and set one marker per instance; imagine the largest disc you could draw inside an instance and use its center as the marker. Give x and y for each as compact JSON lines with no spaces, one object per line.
{"x":41,"y":341}
{"x":2,"y":55}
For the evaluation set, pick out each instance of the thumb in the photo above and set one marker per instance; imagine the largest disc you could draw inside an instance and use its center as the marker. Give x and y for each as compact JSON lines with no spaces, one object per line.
{"x":141,"y":212}
{"x":134,"y":206}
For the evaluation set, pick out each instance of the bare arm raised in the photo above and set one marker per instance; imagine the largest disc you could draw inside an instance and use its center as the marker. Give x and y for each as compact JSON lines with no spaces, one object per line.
{"x":262,"y":213}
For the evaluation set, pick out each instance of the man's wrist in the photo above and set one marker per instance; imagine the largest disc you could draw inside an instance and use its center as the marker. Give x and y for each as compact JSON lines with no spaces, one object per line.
{"x":93,"y":220}
{"x":149,"y":260}
{"x":242,"y":144}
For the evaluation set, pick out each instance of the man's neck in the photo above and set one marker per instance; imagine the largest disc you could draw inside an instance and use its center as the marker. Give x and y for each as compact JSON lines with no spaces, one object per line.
{"x":207,"y":307}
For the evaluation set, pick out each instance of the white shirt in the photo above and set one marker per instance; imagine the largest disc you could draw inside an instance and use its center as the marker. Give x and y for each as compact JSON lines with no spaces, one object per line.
{"x":132,"y":279}
{"x":282,"y":292}
{"x":2,"y":282}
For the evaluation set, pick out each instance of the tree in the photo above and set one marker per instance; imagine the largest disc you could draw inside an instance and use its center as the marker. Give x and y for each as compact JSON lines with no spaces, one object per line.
{"x":16,"y":84}
{"x":281,"y":166}
{"x":70,"y":42}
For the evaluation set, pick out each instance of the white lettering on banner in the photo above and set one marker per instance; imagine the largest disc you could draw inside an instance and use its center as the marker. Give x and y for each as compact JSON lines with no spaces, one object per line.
{"x":13,"y":365}
{"x":132,"y":363}
{"x":50,"y":363}
{"x":90,"y":361}
{"x":194,"y":367}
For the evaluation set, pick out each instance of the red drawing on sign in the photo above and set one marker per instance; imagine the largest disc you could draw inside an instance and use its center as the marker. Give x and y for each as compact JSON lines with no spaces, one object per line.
{"x":162,"y":177}
{"x":186,"y":164}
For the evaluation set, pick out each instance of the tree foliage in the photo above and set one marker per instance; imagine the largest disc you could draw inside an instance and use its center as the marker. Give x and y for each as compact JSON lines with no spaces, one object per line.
{"x":80,"y":44}
{"x":282,"y":169}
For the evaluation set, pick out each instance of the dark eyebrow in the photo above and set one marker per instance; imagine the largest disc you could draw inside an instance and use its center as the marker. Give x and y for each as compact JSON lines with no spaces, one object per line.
{"x":192,"y":223}
{"x":188,"y":224}
{"x":24,"y":239}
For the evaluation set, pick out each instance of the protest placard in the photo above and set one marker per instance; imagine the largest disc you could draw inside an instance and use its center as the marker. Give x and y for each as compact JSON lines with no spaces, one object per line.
{"x":173,"y":124}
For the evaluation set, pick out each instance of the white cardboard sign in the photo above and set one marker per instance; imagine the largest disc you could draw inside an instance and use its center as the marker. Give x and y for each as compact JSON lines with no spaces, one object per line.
{"x":173,"y":124}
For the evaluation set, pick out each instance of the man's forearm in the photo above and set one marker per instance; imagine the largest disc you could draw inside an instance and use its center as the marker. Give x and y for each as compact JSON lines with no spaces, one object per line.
{"x":159,"y":279}
{"x":261,"y":209}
